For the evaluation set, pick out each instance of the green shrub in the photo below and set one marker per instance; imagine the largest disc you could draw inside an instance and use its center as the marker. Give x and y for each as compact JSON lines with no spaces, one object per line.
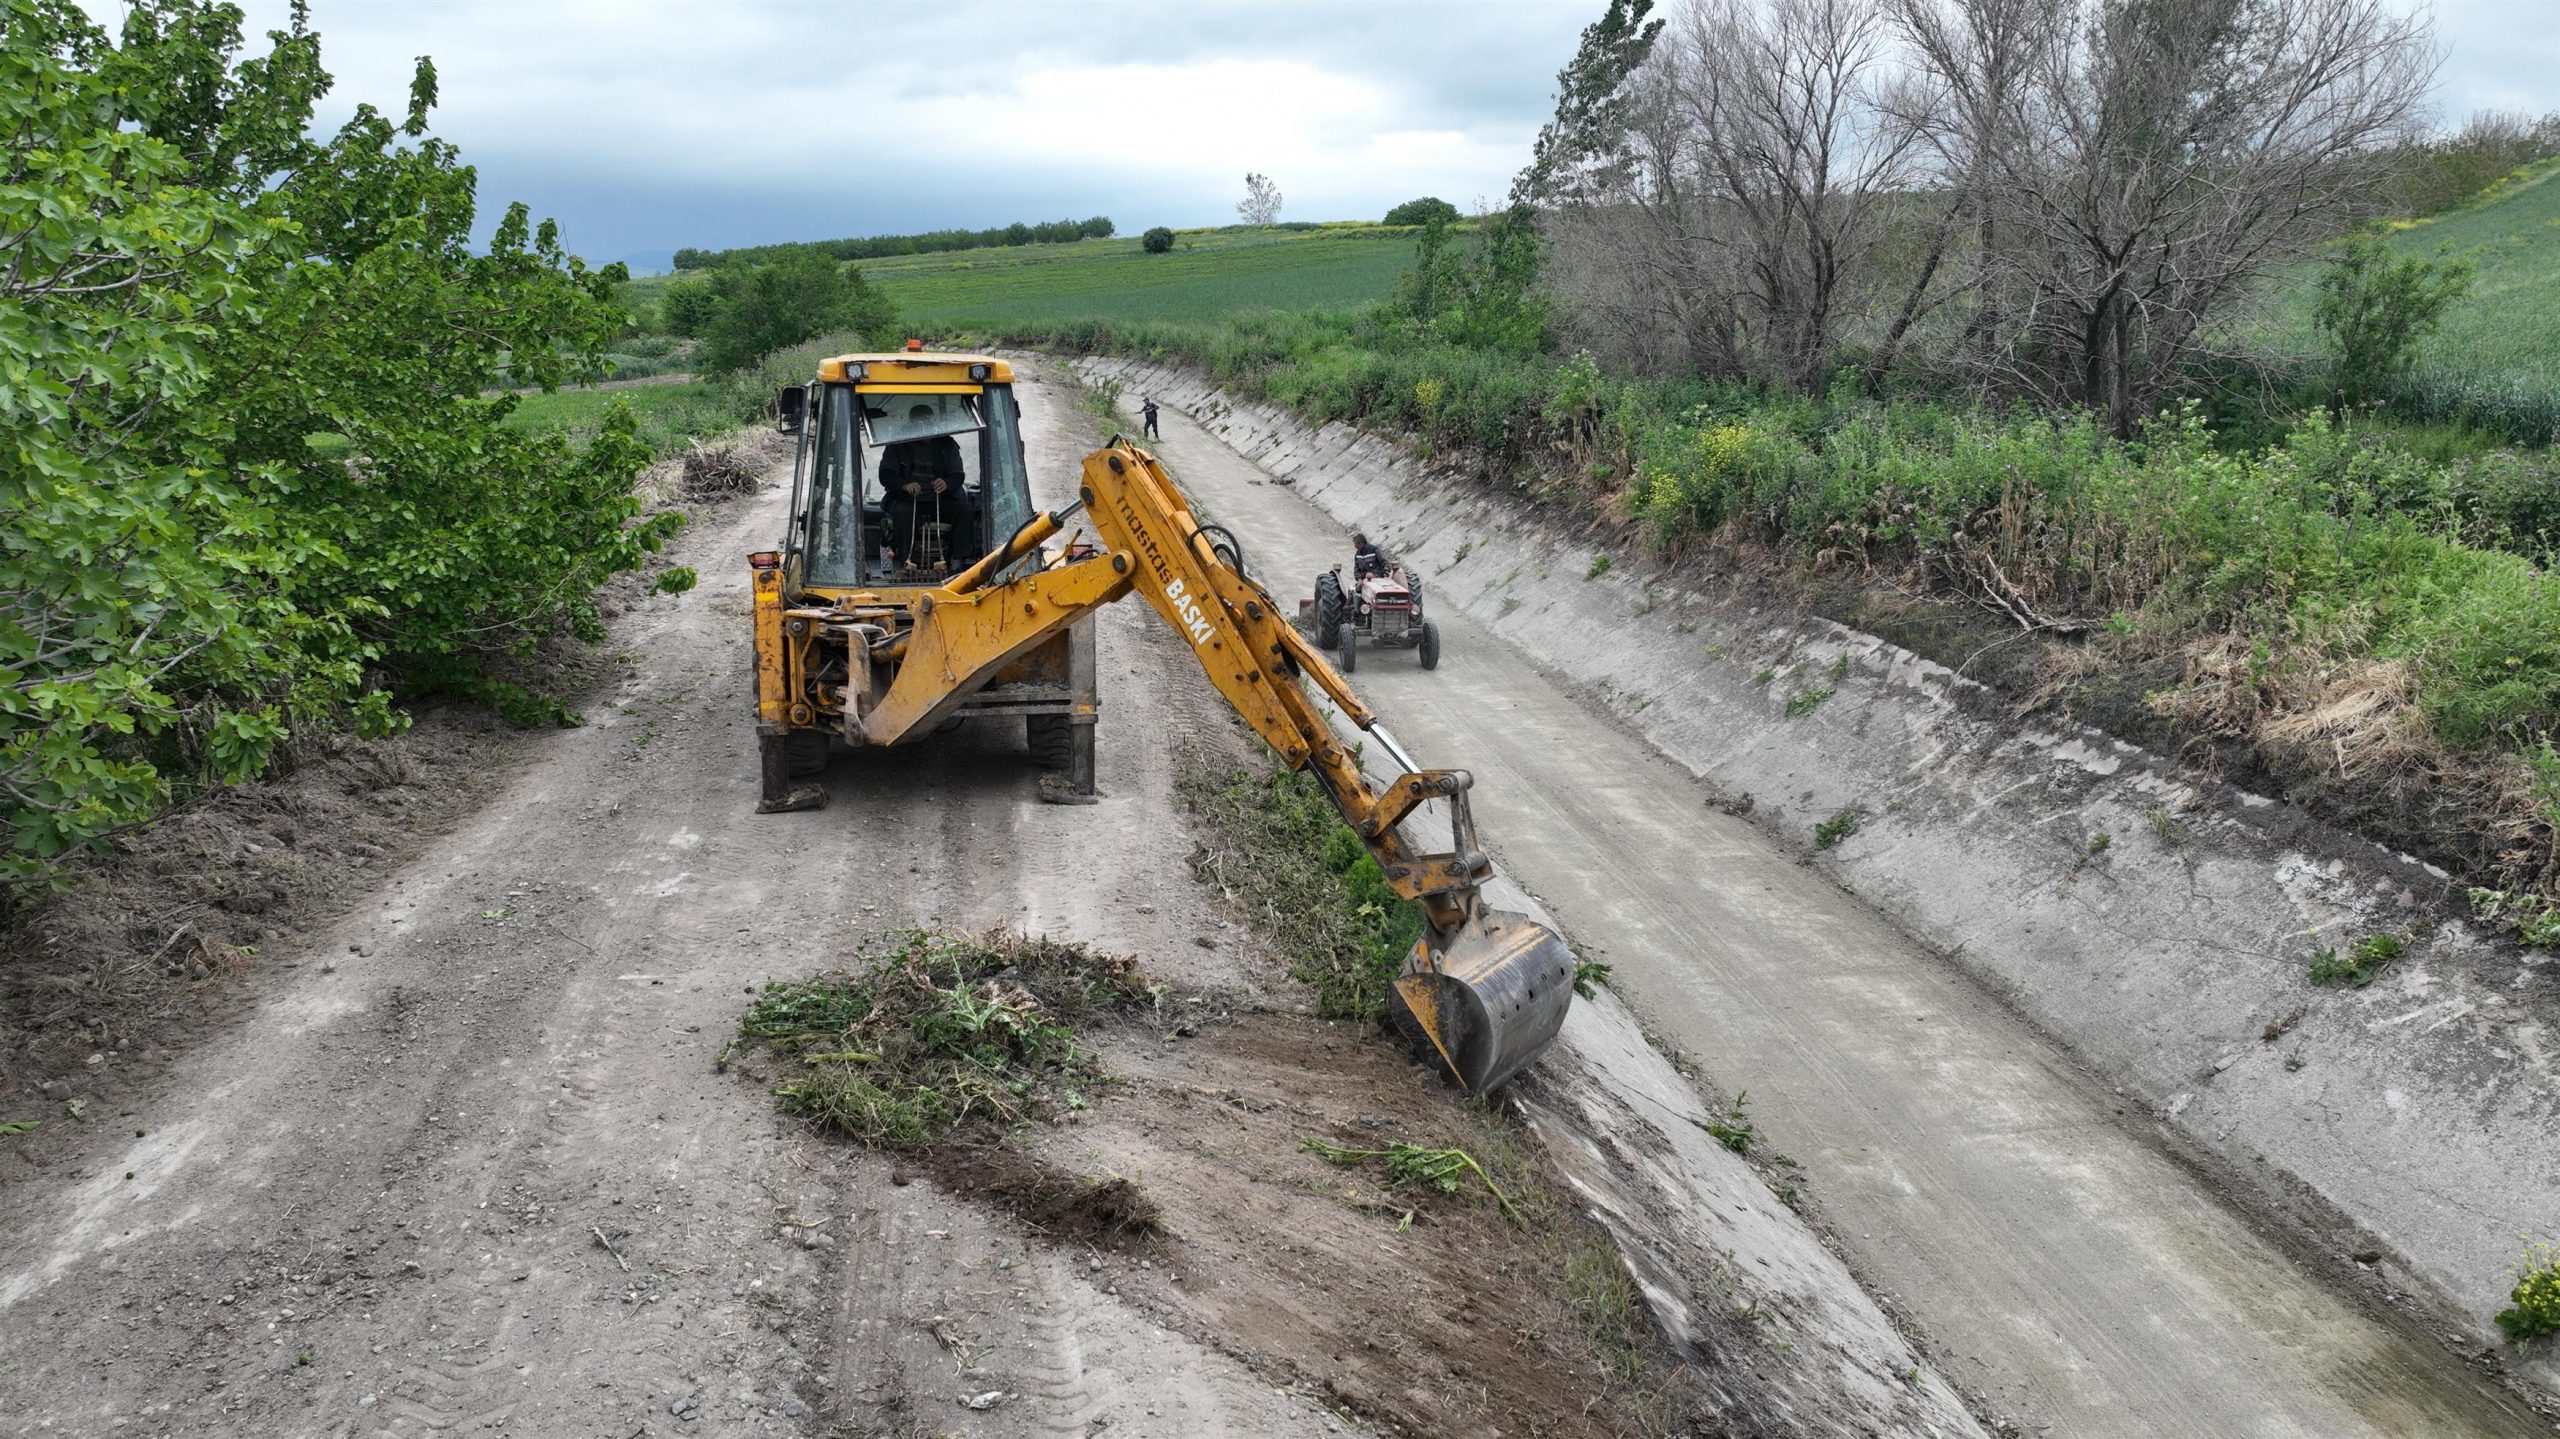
{"x":2534,"y":1308}
{"x":256,"y":481}
{"x":2376,"y":310}
{"x":758,"y":309}
{"x":1423,"y":212}
{"x":1157,"y":241}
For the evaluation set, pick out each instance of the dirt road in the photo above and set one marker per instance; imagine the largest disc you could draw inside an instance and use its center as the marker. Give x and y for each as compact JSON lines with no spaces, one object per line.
{"x":2075,"y":1275}
{"x":468,"y":1165}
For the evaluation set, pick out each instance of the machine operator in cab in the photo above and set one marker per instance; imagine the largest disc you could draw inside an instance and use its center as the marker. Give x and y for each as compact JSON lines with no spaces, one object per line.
{"x":922,"y":485}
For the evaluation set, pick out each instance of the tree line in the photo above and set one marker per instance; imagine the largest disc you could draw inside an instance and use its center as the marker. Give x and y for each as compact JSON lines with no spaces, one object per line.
{"x":254,"y":485}
{"x":877,"y":247}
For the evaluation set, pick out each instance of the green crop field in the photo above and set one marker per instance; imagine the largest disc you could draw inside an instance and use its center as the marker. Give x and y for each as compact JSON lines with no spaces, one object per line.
{"x":2508,"y":327}
{"x":1210,"y":274}
{"x":580,"y":409}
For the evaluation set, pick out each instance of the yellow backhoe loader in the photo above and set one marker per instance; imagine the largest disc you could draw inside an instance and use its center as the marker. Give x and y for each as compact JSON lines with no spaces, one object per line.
{"x":895,"y":606}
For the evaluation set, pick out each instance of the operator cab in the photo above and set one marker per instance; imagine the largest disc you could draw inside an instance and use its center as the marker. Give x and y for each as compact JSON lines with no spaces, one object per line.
{"x":879,"y":423}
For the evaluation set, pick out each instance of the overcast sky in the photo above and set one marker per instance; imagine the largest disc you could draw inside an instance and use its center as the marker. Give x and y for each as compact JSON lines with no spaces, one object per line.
{"x":643,"y":125}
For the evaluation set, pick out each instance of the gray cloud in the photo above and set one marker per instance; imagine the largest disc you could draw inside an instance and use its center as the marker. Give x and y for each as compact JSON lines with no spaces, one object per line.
{"x":649,"y":124}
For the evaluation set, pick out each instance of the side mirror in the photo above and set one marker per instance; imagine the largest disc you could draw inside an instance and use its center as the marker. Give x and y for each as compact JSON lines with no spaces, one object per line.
{"x":791,"y":407}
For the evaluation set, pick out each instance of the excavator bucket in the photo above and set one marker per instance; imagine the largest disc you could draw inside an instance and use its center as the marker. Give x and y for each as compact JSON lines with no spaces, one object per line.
{"x":1489,"y":996}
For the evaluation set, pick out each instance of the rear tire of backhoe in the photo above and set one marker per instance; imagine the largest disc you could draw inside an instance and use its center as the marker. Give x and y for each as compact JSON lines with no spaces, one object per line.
{"x":1052,"y":740}
{"x":1328,"y":611}
{"x":1430,"y":645}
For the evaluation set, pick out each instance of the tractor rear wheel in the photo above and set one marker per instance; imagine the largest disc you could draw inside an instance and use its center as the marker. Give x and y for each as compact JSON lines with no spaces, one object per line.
{"x":1430,"y":645}
{"x":1052,"y":740}
{"x":1328,"y":611}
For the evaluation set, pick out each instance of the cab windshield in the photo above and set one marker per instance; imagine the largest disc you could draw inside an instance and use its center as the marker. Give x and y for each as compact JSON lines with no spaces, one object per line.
{"x":858,"y":521}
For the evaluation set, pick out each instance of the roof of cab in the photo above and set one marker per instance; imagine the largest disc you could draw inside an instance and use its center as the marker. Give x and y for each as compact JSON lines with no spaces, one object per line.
{"x":915,"y":367}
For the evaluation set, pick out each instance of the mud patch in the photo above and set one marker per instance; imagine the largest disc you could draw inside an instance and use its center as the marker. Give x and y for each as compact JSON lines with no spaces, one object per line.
{"x":1052,"y":1203}
{"x":1424,"y":1309}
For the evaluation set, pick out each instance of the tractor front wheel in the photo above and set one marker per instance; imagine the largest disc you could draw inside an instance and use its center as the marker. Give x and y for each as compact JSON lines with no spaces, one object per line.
{"x":1328,"y":611}
{"x":1430,"y":645}
{"x":1347,"y":658}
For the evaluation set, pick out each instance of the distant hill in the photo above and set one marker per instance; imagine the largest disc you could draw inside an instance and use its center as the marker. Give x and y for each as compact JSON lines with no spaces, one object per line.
{"x":2507,"y":329}
{"x":649,"y":262}
{"x":1210,"y":274}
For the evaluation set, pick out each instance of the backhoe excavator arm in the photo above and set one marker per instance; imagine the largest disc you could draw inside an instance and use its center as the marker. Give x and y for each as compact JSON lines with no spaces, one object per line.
{"x":1488,"y":987}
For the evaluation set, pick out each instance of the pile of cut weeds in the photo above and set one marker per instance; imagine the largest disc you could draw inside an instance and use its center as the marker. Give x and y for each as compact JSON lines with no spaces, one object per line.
{"x":931,"y":1036}
{"x":938,"y":1045}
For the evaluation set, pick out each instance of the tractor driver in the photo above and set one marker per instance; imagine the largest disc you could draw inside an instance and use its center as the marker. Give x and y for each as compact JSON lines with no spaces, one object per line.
{"x":921,"y":484}
{"x":1366,"y":559}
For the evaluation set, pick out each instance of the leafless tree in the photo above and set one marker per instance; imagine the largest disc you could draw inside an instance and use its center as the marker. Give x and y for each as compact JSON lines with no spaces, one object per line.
{"x":1793,"y":160}
{"x":1761,"y":175}
{"x":1641,"y":288}
{"x":2133,"y":166}
{"x":1261,"y":202}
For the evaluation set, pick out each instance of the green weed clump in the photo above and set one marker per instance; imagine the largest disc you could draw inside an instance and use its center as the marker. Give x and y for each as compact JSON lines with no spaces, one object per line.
{"x":2534,"y":1308}
{"x":1416,"y":1167}
{"x":1805,"y":702}
{"x":2357,"y":967}
{"x":2533,"y":919}
{"x":930,"y":1032}
{"x":1283,"y":853}
{"x":1733,"y":1128}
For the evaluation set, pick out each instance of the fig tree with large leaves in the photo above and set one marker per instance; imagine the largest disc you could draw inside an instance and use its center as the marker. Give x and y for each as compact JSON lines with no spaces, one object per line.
{"x":255,"y":480}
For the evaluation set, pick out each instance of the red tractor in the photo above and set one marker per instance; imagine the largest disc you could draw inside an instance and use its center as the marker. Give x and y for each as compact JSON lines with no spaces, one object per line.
{"x":1383,"y":606}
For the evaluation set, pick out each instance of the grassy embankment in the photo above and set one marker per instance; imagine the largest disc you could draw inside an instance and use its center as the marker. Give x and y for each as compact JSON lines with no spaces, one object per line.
{"x":2493,"y":364}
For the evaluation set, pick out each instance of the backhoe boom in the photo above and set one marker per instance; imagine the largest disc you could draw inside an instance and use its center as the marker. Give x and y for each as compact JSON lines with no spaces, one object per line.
{"x":1488,"y":987}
